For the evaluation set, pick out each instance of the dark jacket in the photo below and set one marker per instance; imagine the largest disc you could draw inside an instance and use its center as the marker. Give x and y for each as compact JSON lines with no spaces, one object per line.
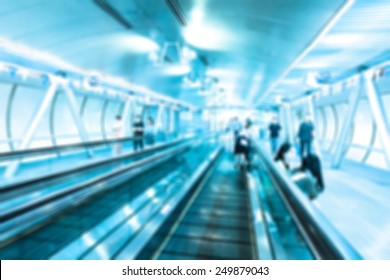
{"x":306,"y":131}
{"x":242,"y":145}
{"x":313,"y":164}
{"x":274,"y":129}
{"x":138,"y":129}
{"x":281,"y":154}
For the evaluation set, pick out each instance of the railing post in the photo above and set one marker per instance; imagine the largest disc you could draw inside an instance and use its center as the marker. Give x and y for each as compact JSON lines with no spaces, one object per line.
{"x":31,"y":128}
{"x":125,"y":115}
{"x":379,"y":113}
{"x":159,"y":124}
{"x":288,"y":124}
{"x":353,"y":102}
{"x":76,"y":117}
{"x":312,"y":112}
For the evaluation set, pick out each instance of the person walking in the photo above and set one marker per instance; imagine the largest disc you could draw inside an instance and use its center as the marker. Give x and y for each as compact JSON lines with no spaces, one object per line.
{"x":149,"y":131}
{"x":306,"y":135}
{"x":117,"y":130}
{"x":235,"y":127}
{"x":274,"y":131}
{"x":138,"y":133}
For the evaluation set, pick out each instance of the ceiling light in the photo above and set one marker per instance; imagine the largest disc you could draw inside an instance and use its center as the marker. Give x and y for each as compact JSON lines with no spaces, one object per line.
{"x":187,"y":54}
{"x":208,"y":37}
{"x":175,"y":70}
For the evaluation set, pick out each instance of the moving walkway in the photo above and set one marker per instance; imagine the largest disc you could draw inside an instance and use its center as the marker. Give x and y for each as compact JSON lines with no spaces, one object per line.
{"x":185,"y":201}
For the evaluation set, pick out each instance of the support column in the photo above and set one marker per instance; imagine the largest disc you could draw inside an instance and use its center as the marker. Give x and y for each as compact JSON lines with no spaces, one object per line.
{"x":379,"y":113}
{"x":288,"y":124}
{"x":125,"y":115}
{"x":353,"y":101}
{"x":171,"y":120}
{"x":159,"y":124}
{"x":32,"y":127}
{"x":312,"y":112}
{"x":76,"y":117}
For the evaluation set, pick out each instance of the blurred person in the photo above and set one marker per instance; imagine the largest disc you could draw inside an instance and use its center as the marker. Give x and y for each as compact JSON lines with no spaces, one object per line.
{"x":149,"y":131}
{"x":306,"y":135}
{"x":234,"y":127}
{"x":274,"y":130}
{"x":138,"y":133}
{"x":312,"y":163}
{"x":117,"y":130}
{"x":309,"y":176}
{"x":281,"y":155}
{"x":243,"y":146}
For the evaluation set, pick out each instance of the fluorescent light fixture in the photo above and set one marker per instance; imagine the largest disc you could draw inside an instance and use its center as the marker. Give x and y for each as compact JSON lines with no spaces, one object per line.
{"x":341,"y":39}
{"x":175,"y":70}
{"x":197,"y":15}
{"x":111,"y":92}
{"x":23,"y":73}
{"x":3,"y":67}
{"x":337,"y":88}
{"x":278,"y":99}
{"x":208,"y":36}
{"x":320,"y":62}
{"x":35,"y":55}
{"x":313,"y":43}
{"x":187,"y":54}
{"x":136,"y":43}
{"x":153,"y":56}
{"x":223,"y":72}
{"x":27,"y":54}
{"x":290,"y":81}
{"x":311,"y":79}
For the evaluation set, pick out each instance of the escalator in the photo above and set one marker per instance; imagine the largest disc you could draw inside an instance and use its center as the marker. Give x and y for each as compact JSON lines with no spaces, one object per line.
{"x":215,"y":223}
{"x":191,"y":205}
{"x":46,"y":238}
{"x":236,"y":214}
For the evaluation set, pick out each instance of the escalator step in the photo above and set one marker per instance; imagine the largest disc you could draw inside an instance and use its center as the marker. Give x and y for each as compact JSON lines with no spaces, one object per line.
{"x":217,"y":221}
{"x":172,"y":256}
{"x":233,"y":205}
{"x":217,"y":212}
{"x":213,"y":233}
{"x":208,"y":249}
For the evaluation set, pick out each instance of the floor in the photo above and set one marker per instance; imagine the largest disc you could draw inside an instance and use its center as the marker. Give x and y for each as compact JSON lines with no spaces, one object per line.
{"x":357,"y":202}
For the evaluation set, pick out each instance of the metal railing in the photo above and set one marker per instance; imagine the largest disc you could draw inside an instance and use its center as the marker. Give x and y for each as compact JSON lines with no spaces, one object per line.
{"x":63,"y":148}
{"x":85,"y":167}
{"x":323,"y":239}
{"x":21,"y":218}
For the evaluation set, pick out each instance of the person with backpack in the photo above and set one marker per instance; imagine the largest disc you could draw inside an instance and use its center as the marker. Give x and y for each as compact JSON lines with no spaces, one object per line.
{"x":274,"y":130}
{"x":309,"y":176}
{"x":149,"y":132}
{"x":138,"y":133}
{"x":281,"y":155}
{"x":117,"y":130}
{"x":243,"y":146}
{"x":306,"y":135}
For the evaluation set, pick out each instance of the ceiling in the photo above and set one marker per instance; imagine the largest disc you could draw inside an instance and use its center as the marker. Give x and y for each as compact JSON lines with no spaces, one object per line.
{"x":248,"y":52}
{"x":360,"y":36}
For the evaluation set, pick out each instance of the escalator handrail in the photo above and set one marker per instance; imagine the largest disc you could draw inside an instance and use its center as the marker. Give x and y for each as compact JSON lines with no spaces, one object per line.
{"x":63,"y":148}
{"x":97,"y":163}
{"x":328,"y":241}
{"x":102,"y":178}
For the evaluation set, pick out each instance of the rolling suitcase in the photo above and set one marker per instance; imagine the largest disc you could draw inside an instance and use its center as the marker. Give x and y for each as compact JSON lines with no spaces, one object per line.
{"x":313,"y":164}
{"x":307,"y":183}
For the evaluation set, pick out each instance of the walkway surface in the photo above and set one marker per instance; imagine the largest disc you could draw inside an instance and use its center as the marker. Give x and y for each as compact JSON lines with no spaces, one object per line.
{"x":356,"y":201}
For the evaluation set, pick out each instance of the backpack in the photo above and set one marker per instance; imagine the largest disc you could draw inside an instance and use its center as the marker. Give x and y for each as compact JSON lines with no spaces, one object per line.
{"x":312,"y":163}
